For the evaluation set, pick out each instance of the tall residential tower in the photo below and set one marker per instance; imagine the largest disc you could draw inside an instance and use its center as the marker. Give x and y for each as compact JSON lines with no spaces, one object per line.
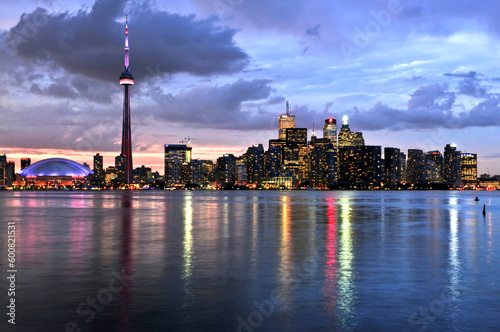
{"x":126,"y":79}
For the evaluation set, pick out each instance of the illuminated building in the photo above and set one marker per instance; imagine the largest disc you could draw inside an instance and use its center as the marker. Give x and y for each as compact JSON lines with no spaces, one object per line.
{"x":141,"y":175}
{"x":196,"y":166}
{"x":330,"y":130}
{"x":415,"y":166}
{"x":110,"y":175}
{"x":207,"y":175}
{"x":55,"y":172}
{"x":98,"y":177}
{"x":394,"y":161}
{"x":360,"y":167}
{"x":175,"y":156}
{"x":120,"y":170}
{"x":241,"y":171}
{"x":285,"y":121}
{"x":432,"y":167}
{"x":126,"y":79}
{"x":10,"y":173}
{"x":295,"y":152}
{"x":254,"y":158}
{"x":225,"y":170}
{"x":323,"y":165}
{"x":25,"y":162}
{"x":349,"y":138}
{"x":3,"y":166}
{"x":273,"y":159}
{"x":452,"y":174}
{"x":469,"y":169}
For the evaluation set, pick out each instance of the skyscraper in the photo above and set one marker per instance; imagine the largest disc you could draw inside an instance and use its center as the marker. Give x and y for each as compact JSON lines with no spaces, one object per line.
{"x":394,"y":166}
{"x":452,"y":165}
{"x":3,"y":169}
{"x":330,"y":132}
{"x":286,"y":120}
{"x":360,"y":166}
{"x":349,"y":138}
{"x":98,"y":169}
{"x":127,"y":79}
{"x":25,"y":162}
{"x":255,"y":164}
{"x":175,"y":156}
{"x":469,"y":169}
{"x":415,"y":166}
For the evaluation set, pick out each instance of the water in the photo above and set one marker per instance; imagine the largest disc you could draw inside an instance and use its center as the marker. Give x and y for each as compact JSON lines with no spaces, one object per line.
{"x":253,"y":261}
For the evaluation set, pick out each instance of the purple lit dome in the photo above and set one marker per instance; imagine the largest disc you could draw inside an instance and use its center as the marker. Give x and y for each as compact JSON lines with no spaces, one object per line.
{"x":56,"y":167}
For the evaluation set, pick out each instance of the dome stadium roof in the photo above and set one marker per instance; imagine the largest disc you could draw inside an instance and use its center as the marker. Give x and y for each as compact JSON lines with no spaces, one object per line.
{"x":56,"y":167}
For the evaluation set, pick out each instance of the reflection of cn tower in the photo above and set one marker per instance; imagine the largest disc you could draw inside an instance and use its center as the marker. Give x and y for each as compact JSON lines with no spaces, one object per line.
{"x":125,"y":259}
{"x":126,"y":79}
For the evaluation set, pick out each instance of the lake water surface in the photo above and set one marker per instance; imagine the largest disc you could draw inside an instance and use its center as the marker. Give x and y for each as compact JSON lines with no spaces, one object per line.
{"x":253,"y":261}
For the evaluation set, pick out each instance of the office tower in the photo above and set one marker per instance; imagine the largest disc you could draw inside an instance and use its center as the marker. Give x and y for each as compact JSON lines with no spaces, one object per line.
{"x":98,"y":177}
{"x":394,"y":162}
{"x":273,"y":158}
{"x":196,"y":166}
{"x":3,"y":169}
{"x":285,"y":121}
{"x":360,"y":167}
{"x":207,"y":176}
{"x":120,"y":169}
{"x":225,"y":170}
{"x":433,"y":164}
{"x":241,"y":170}
{"x":469,"y":169}
{"x":175,"y":156}
{"x":349,"y":138}
{"x":126,"y":79}
{"x":330,"y":130}
{"x":255,"y":164}
{"x":415,"y":166}
{"x":452,"y":165}
{"x":323,"y":163}
{"x":25,"y":162}
{"x":295,"y":152}
{"x":10,"y":173}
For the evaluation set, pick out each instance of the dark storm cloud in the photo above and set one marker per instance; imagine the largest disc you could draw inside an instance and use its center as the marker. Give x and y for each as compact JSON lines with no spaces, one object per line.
{"x":428,"y":96}
{"x":219,"y":107}
{"x":90,"y":43}
{"x":314,"y":31}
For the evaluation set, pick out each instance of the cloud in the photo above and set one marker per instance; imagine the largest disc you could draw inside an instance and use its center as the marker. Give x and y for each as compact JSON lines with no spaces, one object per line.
{"x":90,"y":43}
{"x":313,"y":31}
{"x":428,"y":96}
{"x":220,"y":106}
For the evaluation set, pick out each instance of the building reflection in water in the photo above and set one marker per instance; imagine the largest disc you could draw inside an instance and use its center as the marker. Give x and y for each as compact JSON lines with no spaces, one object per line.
{"x":286,"y":265}
{"x":347,"y":297}
{"x":454,"y":260}
{"x":331,"y":268}
{"x":126,"y":259}
{"x":187,"y":248}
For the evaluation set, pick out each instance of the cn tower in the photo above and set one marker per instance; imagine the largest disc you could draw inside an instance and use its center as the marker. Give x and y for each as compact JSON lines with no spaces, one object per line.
{"x":126,"y":79}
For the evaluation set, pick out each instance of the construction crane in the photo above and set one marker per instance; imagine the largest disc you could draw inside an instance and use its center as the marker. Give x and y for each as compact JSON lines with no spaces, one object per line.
{"x":188,"y":140}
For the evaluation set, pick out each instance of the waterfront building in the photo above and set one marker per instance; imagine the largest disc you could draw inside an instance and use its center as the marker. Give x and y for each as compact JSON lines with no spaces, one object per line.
{"x":323,"y":163}
{"x":175,"y":156}
{"x":394,"y":166}
{"x":3,"y":169}
{"x":55,"y":172}
{"x":469,"y":169}
{"x":360,"y":167}
{"x":415,"y":166}
{"x":225,"y":171}
{"x":254,"y":159}
{"x":437,"y":157}
{"x":452,"y":165}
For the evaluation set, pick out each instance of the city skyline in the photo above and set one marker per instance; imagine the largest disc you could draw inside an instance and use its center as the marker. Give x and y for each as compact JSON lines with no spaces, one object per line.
{"x":228,"y":91}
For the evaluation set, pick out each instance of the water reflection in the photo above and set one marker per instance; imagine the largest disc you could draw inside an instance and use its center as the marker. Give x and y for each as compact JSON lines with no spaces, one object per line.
{"x":330,"y":287}
{"x":126,"y":259}
{"x":347,"y":297}
{"x":286,"y":265}
{"x":187,"y":248}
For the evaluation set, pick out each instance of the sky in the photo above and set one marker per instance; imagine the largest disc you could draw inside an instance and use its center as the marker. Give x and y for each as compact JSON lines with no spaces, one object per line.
{"x":408,"y":74}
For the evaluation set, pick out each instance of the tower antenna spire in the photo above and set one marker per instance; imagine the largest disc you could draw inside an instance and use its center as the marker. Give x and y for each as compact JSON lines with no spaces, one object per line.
{"x":287,"y":108}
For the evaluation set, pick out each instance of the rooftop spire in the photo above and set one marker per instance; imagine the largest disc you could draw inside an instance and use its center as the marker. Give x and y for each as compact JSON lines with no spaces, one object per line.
{"x":287,"y":108}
